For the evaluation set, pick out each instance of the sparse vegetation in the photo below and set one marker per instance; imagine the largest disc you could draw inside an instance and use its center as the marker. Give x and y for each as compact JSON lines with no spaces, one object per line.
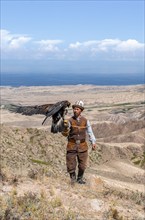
{"x":33,"y":206}
{"x":30,"y":206}
{"x":96,"y":156}
{"x":139,"y":160}
{"x":43,"y":163}
{"x":113,"y":214}
{"x":39,"y":162}
{"x":33,"y":177}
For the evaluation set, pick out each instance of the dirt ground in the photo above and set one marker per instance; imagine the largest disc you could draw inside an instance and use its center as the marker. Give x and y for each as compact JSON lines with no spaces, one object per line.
{"x":115,"y":175}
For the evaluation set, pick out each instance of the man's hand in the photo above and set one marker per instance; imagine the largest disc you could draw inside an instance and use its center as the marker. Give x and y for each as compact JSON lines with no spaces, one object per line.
{"x":65,"y":131}
{"x":93,"y":147}
{"x":65,"y":122}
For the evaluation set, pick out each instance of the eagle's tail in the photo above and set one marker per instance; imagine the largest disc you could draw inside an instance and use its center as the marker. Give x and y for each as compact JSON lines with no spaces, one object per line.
{"x":57,"y":127}
{"x":44,"y":120}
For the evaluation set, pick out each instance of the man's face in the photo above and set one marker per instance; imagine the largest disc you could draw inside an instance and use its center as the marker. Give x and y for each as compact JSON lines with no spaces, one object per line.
{"x":77,"y":111}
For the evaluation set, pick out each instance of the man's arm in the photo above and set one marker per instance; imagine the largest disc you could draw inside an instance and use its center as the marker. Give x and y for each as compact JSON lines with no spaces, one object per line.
{"x":92,"y":138}
{"x":66,"y":130}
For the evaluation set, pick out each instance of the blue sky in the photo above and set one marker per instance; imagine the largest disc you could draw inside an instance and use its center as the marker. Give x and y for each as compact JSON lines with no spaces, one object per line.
{"x":72,"y":36}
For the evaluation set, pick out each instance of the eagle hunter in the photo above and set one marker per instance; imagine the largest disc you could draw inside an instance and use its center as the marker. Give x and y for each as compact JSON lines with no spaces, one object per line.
{"x":57,"y":111}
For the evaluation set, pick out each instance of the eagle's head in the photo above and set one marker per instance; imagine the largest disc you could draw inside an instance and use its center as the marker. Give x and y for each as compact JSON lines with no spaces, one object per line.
{"x":67,"y":103}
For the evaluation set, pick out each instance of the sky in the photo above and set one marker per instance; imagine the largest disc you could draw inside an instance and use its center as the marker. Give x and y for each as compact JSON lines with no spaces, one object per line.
{"x":72,"y":36}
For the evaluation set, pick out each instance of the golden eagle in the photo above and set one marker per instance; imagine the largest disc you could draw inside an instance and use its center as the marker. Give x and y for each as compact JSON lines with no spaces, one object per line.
{"x":57,"y":111}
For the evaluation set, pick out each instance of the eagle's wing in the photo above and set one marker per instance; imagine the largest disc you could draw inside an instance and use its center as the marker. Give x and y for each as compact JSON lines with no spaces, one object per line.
{"x":29,"y":110}
{"x":54,"y":109}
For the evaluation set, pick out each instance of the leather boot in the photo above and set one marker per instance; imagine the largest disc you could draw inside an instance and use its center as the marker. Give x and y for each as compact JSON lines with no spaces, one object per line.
{"x":80,"y":177}
{"x":73,"y":178}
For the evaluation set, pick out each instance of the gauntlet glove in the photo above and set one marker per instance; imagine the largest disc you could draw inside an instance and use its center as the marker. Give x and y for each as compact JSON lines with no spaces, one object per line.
{"x":65,"y":123}
{"x":65,"y":132}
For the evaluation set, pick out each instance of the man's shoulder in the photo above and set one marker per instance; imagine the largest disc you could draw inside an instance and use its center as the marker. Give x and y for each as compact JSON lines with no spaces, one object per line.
{"x":73,"y":118}
{"x":84,"y":118}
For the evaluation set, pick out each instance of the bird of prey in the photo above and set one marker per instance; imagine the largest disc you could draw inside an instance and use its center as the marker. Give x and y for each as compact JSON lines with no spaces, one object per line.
{"x":57,"y":111}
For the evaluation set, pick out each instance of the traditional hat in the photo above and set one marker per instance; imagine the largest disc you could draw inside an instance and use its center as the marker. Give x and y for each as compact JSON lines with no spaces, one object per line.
{"x":79,"y":104}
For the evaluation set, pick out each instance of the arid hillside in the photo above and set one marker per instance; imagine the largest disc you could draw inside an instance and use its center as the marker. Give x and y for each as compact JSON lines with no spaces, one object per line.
{"x":34,"y":182}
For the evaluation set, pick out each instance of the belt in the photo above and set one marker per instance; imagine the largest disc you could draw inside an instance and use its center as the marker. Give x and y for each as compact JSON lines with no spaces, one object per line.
{"x":76,"y":141}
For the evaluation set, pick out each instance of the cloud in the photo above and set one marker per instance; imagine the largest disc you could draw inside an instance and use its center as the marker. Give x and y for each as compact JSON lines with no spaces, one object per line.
{"x":76,"y":45}
{"x":107,"y":45}
{"x":129,"y":45}
{"x":49,"y":45}
{"x":24,"y":47}
{"x":108,"y":49}
{"x":11,"y":41}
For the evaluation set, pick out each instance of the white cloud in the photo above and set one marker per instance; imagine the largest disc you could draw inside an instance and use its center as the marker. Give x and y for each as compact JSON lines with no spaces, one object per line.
{"x":23,"y":46}
{"x":129,"y":45}
{"x":83,"y":45}
{"x":49,"y":45}
{"x":18,"y":42}
{"x":108,"y":49}
{"x":10,"y":41}
{"x":107,"y":45}
{"x":77,"y":45}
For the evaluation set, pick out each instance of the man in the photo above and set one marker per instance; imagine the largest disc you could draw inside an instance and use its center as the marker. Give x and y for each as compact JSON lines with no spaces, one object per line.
{"x":76,"y":129}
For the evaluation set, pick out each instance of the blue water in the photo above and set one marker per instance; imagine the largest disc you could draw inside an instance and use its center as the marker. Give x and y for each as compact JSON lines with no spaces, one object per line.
{"x":16,"y":80}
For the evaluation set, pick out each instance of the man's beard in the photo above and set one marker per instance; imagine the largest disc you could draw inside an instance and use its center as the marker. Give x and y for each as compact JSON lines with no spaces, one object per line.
{"x":76,"y":114}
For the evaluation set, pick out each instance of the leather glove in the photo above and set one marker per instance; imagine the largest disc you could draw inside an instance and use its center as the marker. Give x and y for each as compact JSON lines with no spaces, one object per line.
{"x":65,"y":123}
{"x":65,"y":132}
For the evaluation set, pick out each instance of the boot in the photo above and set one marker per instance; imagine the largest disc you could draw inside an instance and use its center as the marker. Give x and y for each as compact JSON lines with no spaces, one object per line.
{"x":80,"y":177}
{"x":73,"y":178}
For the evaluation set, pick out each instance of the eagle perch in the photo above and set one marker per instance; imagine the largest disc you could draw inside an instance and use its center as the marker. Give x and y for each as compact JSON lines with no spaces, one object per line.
{"x":57,"y":111}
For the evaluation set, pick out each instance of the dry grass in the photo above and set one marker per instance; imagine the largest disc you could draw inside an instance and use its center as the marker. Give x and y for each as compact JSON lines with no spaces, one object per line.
{"x":33,"y":206}
{"x":34,"y":182}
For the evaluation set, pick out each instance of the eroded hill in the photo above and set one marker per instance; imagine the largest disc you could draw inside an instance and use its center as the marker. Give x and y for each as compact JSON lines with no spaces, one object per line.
{"x":34,"y":181}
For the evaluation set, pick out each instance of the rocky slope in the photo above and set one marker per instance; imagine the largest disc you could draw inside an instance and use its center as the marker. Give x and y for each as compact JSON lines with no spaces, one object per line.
{"x":34,"y":182}
{"x":33,"y":169}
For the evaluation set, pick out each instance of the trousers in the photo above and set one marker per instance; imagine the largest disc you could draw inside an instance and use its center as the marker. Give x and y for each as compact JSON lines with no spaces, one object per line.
{"x":74,"y":158}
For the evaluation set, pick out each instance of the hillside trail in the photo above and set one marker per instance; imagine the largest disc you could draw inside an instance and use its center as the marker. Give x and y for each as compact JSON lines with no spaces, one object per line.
{"x":112,"y":187}
{"x":120,"y":175}
{"x":115,"y":185}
